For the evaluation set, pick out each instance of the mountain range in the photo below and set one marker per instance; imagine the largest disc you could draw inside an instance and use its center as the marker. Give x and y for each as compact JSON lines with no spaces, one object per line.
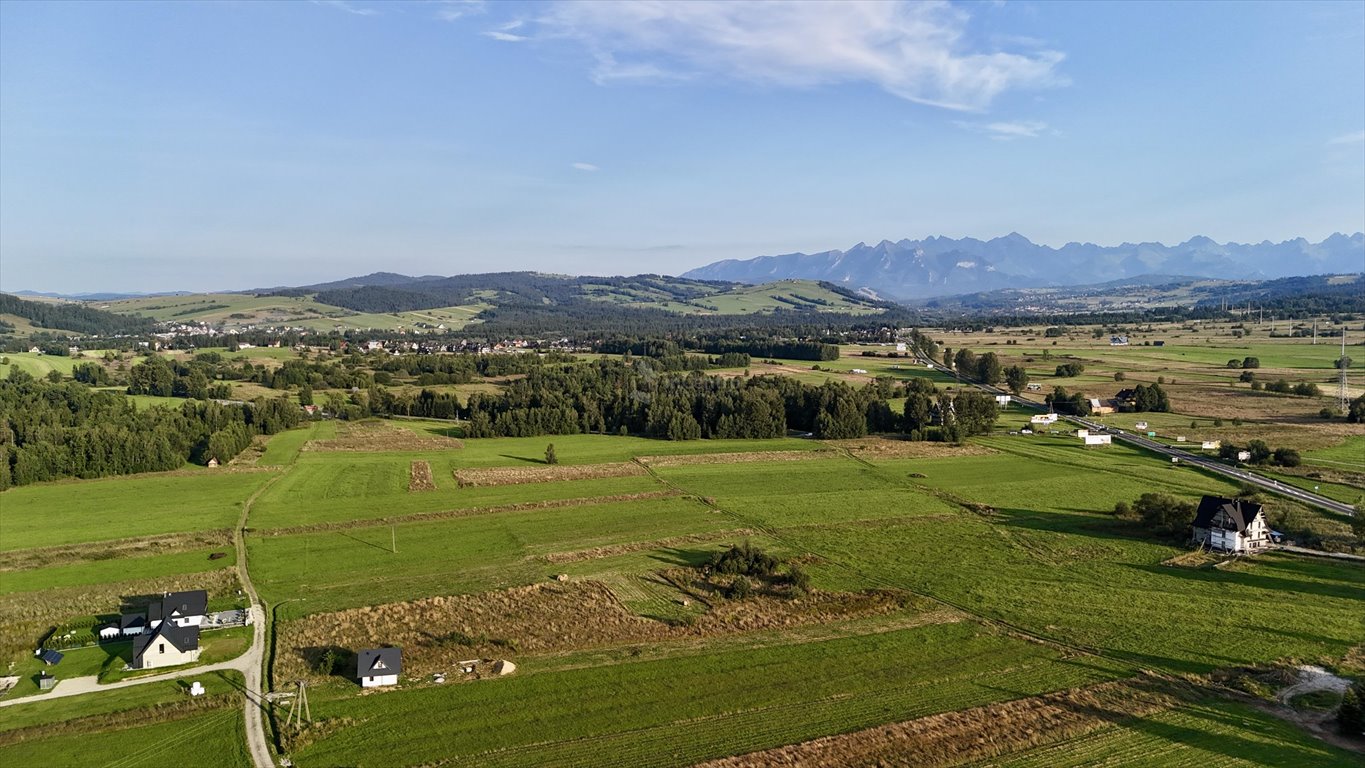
{"x":939,"y":266}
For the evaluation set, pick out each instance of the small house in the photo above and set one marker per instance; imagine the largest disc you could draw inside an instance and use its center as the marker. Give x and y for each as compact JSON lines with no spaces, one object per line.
{"x":1211,"y":445}
{"x":1043,"y":418}
{"x":1098,"y":440}
{"x":213,"y":462}
{"x":1230,"y":525}
{"x":1100,"y":407}
{"x":1244,"y":455}
{"x":110,"y":632}
{"x":379,"y":666}
{"x":1118,"y":341}
{"x":167,"y":645}
{"x":46,"y":682}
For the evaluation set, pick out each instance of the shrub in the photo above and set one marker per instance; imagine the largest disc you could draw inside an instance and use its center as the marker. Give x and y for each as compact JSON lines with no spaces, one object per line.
{"x":550,"y":456}
{"x":744,"y":560}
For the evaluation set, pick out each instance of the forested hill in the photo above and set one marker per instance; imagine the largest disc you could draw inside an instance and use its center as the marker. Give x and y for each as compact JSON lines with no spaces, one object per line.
{"x":72,"y":318}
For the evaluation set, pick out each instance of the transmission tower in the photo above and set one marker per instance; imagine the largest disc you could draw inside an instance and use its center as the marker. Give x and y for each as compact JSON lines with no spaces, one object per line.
{"x":1343,"y":402}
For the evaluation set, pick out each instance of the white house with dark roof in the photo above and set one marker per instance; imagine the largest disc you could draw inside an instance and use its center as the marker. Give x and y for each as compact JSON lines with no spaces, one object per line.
{"x":1231,"y":525}
{"x":379,"y":666}
{"x":167,"y":645}
{"x":184,"y":609}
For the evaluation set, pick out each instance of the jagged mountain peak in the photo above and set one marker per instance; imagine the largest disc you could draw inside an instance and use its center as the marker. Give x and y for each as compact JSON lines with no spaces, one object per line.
{"x":939,"y":265}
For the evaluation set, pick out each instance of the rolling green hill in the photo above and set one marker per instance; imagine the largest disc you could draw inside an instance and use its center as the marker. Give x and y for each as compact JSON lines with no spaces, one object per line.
{"x":452,"y":303}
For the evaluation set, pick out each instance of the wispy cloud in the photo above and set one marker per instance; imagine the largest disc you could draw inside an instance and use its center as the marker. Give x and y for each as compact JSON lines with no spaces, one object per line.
{"x":1348,"y":138}
{"x":342,"y":5}
{"x":1008,"y":130}
{"x":505,"y":33}
{"x":918,"y":51}
{"x":451,"y":10}
{"x":584,"y":167}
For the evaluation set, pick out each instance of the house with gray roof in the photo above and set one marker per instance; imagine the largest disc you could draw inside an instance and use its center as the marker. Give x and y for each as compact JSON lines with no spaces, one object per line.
{"x":167,"y":645}
{"x":1237,"y":526}
{"x":379,"y":666}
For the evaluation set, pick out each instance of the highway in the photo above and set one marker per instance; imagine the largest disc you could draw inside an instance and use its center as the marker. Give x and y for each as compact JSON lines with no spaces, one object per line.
{"x":1185,"y":457}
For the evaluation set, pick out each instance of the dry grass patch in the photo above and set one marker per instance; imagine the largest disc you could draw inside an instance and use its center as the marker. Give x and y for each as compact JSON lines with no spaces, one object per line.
{"x":43,"y":557}
{"x":436,"y":633}
{"x":979,"y":733}
{"x":419,"y":477}
{"x":890,"y":448}
{"x":28,"y":615}
{"x":613,"y":550}
{"x":546,"y":474}
{"x":733,"y":458}
{"x":379,"y":436}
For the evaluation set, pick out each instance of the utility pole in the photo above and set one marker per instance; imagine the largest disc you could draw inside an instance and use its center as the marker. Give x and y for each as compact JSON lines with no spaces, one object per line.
{"x":393,"y":539}
{"x":1315,"y":332}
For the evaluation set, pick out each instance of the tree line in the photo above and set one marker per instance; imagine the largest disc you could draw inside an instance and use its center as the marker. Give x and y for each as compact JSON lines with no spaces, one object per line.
{"x":53,"y":430}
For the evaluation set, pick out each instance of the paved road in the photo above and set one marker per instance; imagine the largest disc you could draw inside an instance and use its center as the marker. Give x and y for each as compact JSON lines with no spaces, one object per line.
{"x":1185,"y":457}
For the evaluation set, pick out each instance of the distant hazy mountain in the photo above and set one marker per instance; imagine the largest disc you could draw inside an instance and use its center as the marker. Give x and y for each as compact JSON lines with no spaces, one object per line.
{"x":95,"y":296}
{"x":939,"y":266}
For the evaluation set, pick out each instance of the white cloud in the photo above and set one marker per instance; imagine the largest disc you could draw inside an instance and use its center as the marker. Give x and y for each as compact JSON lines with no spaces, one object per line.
{"x":504,"y":32}
{"x":1349,"y":138}
{"x":917,"y":51}
{"x":584,"y":166}
{"x":1009,"y":130}
{"x":342,"y":5}
{"x":450,"y":10}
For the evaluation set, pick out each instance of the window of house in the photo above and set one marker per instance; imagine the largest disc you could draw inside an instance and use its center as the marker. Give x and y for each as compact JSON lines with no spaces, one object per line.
{"x":161,"y":648}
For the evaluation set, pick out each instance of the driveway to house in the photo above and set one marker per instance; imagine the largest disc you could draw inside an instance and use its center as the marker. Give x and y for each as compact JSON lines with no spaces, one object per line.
{"x":75,"y":686}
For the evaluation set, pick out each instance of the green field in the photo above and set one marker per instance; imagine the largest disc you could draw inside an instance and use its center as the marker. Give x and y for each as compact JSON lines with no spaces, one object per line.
{"x":37,"y":365}
{"x":74,"y":511}
{"x":682,"y":710}
{"x":93,"y":572}
{"x":214,"y":739}
{"x":330,"y":570}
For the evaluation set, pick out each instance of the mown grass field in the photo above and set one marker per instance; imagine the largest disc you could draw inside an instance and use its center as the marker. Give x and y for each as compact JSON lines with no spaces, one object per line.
{"x":37,"y":365}
{"x":93,"y":572}
{"x":1216,"y":734}
{"x":330,"y":570}
{"x":215,"y":739}
{"x":75,"y":511}
{"x":681,"y":710}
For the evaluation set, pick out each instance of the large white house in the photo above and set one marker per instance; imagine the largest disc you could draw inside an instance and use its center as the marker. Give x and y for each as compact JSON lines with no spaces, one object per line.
{"x":379,"y":666}
{"x":167,"y":645}
{"x":1231,"y":525}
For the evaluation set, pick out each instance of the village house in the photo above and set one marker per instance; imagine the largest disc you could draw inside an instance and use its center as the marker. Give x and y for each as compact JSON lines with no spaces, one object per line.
{"x":167,"y":645}
{"x":1100,"y":407}
{"x":1230,"y":525}
{"x":379,"y":666}
{"x":168,"y":634}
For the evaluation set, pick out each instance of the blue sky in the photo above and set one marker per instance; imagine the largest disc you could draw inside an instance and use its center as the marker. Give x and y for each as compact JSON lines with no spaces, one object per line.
{"x":231,"y":145}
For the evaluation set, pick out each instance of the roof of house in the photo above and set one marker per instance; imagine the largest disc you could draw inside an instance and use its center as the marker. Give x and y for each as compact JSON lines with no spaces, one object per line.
{"x":131,"y":620}
{"x":182,"y":638}
{"x":195,"y":602}
{"x":374,"y":662}
{"x":1237,"y":512}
